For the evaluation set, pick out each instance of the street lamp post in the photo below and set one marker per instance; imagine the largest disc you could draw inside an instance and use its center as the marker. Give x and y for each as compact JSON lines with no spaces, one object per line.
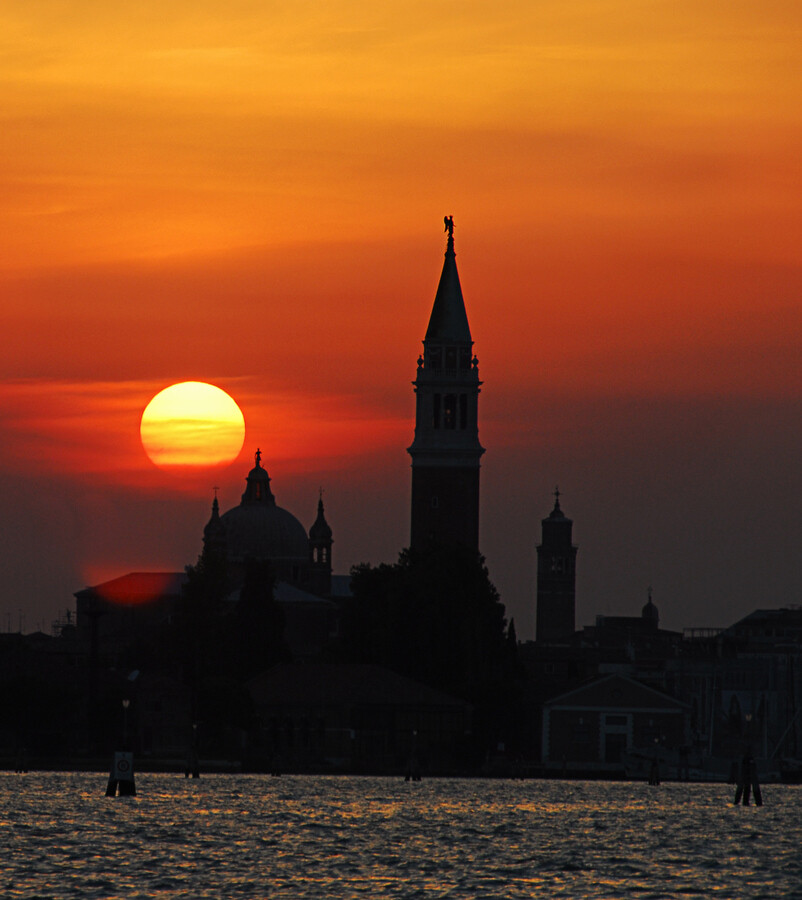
{"x":126,"y":704}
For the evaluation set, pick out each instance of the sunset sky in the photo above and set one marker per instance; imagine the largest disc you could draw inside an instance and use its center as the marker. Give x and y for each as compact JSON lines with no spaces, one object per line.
{"x":252,"y":194}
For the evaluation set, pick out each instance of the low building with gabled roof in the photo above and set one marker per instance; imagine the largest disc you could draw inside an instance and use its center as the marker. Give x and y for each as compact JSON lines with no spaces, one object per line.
{"x":588,"y":728}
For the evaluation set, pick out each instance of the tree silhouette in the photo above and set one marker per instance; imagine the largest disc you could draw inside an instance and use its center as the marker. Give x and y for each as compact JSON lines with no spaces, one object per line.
{"x":436,"y":617}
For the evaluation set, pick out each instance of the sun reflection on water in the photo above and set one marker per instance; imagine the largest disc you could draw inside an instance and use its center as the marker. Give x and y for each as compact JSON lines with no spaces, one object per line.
{"x":303,"y":838}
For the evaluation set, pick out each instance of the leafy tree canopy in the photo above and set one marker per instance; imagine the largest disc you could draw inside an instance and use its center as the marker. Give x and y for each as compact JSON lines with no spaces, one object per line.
{"x":435,"y":616}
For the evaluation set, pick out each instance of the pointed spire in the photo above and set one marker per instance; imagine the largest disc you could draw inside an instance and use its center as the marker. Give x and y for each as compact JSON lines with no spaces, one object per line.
{"x":215,"y":510}
{"x":449,"y":321}
{"x":320,"y":530}
{"x":214,"y":533}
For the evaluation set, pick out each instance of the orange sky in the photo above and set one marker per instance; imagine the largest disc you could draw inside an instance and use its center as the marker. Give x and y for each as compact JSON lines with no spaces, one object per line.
{"x":252,"y":194}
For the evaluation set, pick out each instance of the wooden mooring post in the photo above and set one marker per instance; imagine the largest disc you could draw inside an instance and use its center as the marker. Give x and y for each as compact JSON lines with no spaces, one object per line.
{"x":121,"y":778}
{"x":748,"y":782}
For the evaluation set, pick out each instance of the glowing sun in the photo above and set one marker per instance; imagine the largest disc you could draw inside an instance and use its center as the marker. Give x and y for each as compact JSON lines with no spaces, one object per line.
{"x":192,"y":424}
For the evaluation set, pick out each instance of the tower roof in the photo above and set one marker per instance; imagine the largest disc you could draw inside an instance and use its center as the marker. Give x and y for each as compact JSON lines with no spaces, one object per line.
{"x":650,"y":612}
{"x":557,"y":514}
{"x":214,"y":527}
{"x":320,"y":530}
{"x":449,"y":321}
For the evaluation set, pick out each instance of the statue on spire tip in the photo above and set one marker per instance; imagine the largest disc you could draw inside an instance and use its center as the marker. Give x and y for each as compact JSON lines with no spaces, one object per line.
{"x":449,"y":223}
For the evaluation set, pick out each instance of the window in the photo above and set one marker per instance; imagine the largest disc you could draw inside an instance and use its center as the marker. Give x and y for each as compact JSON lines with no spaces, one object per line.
{"x":463,"y":411}
{"x":436,"y":357}
{"x":451,"y":357}
{"x":436,"y":411}
{"x":465,"y":357}
{"x":450,"y":411}
{"x":616,"y":720}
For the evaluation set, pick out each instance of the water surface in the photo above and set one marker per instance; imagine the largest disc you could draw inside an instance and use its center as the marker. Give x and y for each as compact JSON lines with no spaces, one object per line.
{"x":312,"y":837}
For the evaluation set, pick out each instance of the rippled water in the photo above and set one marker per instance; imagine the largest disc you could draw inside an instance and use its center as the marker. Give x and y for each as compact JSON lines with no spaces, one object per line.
{"x":310,"y":837}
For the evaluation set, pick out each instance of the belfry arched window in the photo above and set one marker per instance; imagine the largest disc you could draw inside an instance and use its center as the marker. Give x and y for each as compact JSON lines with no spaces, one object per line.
{"x":450,"y":411}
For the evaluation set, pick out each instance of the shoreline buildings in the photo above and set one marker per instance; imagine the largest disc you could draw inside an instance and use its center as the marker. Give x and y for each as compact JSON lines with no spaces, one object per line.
{"x":588,"y":696}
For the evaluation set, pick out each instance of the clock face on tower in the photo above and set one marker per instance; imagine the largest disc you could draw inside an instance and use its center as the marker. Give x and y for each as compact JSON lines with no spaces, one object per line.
{"x":557,"y":565}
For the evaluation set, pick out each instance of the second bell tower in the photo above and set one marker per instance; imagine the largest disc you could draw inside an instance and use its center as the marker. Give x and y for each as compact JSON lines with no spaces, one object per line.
{"x":446,"y":450}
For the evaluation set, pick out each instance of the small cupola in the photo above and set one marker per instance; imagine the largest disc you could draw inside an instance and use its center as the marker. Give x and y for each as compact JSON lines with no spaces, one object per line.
{"x":258,"y":484}
{"x":320,"y":530}
{"x":650,"y":613}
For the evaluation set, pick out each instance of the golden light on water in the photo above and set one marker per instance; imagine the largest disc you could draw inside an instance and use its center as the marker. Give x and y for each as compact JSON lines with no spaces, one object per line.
{"x":192,"y":424}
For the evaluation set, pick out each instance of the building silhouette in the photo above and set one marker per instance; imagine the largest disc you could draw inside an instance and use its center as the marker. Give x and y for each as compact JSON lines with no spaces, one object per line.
{"x":602,"y":700}
{"x":259,"y":529}
{"x":446,"y":450}
{"x":556,"y":578}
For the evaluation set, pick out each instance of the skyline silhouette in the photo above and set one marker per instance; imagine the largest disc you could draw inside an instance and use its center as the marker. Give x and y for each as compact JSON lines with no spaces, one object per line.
{"x":196,"y":198}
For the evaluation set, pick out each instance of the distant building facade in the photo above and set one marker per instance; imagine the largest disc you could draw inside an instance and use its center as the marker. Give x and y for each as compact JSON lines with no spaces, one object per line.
{"x":446,"y":451}
{"x":592,"y":727}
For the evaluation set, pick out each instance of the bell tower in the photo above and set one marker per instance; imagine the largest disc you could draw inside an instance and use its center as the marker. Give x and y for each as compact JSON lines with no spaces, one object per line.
{"x":320,"y":542}
{"x":556,"y":578}
{"x":446,"y":450}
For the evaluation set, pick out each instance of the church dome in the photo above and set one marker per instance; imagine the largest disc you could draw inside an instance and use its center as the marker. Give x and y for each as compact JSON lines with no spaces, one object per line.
{"x":259,"y":528}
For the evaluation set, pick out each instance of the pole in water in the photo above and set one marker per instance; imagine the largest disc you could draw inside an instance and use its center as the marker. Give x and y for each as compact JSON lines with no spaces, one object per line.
{"x":121,"y":779}
{"x":748,"y":783}
{"x":193,"y":762}
{"x":413,"y":766}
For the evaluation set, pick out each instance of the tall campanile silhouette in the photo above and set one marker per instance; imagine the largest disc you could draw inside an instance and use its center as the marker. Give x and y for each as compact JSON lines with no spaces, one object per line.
{"x":446,"y":450}
{"x":556,"y":578}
